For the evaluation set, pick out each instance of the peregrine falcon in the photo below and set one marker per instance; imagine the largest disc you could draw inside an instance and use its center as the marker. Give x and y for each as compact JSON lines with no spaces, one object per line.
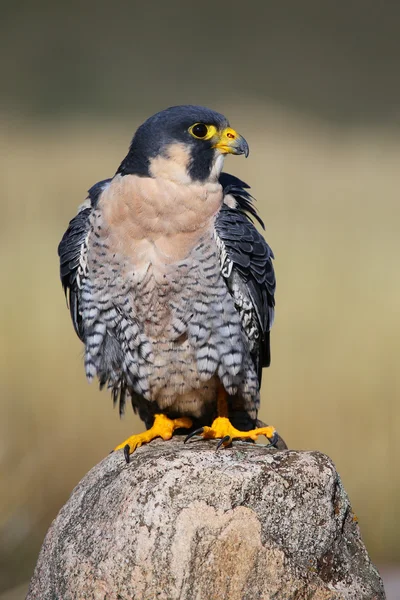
{"x":170,"y":285}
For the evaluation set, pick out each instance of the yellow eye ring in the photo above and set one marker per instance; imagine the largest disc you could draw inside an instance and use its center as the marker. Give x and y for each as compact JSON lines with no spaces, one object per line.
{"x":201,"y":131}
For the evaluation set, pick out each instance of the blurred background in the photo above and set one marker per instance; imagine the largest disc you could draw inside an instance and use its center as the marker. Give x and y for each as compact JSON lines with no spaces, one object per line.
{"x":314,"y":88}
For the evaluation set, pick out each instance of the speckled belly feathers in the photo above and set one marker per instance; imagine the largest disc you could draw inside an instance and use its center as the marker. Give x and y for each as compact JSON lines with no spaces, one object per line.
{"x":170,"y":331}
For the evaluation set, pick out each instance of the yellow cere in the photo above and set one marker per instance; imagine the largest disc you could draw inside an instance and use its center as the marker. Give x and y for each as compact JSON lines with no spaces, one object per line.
{"x":226,"y":140}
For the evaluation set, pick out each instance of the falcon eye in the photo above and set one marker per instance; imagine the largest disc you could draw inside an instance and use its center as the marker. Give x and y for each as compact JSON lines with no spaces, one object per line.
{"x":199,"y":130}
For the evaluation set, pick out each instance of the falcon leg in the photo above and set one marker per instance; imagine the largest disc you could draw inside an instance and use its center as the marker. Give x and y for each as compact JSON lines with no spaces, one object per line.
{"x":162,"y":427}
{"x":223,"y":430}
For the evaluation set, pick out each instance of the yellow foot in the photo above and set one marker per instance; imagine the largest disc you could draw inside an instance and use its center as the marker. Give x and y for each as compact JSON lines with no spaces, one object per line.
{"x":222,"y":429}
{"x":162,"y":427}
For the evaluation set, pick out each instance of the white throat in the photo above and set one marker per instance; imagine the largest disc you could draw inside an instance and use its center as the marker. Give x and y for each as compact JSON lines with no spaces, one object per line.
{"x":217,"y":167}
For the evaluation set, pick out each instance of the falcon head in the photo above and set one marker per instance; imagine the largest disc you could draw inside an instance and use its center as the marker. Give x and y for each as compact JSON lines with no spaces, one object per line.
{"x":183,"y":143}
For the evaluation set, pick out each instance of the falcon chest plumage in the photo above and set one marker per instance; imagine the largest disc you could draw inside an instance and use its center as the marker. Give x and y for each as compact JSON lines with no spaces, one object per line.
{"x":155,"y":243}
{"x":156,"y":223}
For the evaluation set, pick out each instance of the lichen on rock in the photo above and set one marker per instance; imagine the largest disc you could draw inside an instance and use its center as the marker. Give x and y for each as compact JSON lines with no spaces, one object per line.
{"x":186,"y":522}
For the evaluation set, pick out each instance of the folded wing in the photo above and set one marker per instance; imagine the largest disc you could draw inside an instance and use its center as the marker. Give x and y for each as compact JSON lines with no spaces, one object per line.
{"x":246,"y":265}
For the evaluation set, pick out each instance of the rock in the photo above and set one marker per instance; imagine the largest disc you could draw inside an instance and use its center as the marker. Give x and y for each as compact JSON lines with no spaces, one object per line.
{"x":183,"y":521}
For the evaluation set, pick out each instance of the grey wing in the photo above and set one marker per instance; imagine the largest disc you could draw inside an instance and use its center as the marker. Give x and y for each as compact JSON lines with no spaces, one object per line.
{"x":72,"y":254}
{"x":246,"y":265}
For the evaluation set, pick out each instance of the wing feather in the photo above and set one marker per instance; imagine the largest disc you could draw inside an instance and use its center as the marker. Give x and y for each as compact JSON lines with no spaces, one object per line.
{"x":72,"y":253}
{"x":246,"y":264}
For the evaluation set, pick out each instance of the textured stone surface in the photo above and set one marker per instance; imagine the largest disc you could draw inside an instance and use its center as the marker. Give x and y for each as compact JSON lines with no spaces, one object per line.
{"x":188,"y":522}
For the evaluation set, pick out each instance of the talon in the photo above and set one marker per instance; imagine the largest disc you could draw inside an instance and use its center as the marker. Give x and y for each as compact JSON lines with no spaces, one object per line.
{"x":223,"y":430}
{"x":273,"y":440}
{"x":163,"y":427}
{"x":225,"y":439}
{"x":193,"y":433}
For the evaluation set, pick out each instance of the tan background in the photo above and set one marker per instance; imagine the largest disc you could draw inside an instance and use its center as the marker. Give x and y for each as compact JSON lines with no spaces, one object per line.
{"x":316,"y":93}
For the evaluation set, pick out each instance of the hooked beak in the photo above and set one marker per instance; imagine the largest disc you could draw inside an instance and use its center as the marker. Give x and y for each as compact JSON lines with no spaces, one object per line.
{"x":230,"y":142}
